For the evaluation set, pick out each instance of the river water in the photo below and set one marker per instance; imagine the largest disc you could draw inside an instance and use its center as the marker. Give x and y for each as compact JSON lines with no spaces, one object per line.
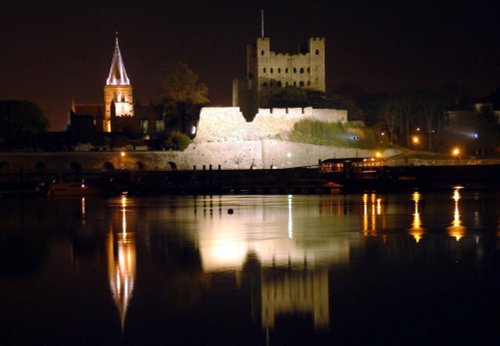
{"x":360,"y":269}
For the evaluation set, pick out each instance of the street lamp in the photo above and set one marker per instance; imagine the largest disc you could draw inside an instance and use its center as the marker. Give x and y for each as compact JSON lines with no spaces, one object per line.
{"x":122,"y":155}
{"x":455,"y":152}
{"x":415,"y":140}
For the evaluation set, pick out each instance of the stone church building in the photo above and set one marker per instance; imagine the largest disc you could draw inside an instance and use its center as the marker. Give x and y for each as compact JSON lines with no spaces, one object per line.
{"x":118,"y":113}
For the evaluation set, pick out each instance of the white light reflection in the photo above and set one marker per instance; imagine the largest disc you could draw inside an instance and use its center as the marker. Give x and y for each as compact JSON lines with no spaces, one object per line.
{"x":272,"y":233}
{"x":83,"y":210}
{"x":121,"y":265}
{"x":124,"y":216}
{"x":456,"y":230}
{"x":416,"y":229}
{"x":370,"y":224}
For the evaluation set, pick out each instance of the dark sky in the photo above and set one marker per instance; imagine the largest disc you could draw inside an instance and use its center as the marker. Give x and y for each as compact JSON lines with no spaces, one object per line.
{"x":54,"y":51}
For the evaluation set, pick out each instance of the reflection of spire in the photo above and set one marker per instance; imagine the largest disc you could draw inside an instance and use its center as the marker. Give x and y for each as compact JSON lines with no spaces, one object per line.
{"x":456,"y":230}
{"x":121,"y":267}
{"x":416,"y":229}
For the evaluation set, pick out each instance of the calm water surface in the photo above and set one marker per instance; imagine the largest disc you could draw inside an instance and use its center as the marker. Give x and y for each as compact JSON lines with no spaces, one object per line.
{"x":367,"y":269}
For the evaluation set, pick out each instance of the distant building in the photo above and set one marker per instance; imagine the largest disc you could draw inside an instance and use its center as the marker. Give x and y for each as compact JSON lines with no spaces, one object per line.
{"x":268,"y":73}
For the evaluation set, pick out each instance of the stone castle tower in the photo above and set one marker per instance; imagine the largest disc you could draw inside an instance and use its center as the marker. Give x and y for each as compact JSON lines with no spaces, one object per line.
{"x":269,"y":72}
{"x":118,"y":97}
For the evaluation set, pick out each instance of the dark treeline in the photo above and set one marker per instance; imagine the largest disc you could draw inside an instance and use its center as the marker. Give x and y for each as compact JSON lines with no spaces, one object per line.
{"x":414,"y":118}
{"x":417,"y":119}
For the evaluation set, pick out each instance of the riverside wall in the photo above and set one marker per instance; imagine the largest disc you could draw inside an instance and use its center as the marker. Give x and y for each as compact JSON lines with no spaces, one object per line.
{"x":229,"y":155}
{"x":224,"y":138}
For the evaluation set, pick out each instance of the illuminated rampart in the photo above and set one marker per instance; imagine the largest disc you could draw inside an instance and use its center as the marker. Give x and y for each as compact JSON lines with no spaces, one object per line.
{"x":227,"y":124}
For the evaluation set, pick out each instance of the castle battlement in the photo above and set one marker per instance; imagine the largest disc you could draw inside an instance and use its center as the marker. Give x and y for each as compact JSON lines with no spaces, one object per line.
{"x":268,"y":73}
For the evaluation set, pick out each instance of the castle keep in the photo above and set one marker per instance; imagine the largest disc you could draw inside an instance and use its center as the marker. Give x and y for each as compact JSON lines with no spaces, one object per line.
{"x":268,"y":73}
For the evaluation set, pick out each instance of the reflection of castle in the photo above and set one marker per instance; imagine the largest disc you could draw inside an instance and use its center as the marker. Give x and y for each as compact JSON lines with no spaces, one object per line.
{"x":296,"y":292}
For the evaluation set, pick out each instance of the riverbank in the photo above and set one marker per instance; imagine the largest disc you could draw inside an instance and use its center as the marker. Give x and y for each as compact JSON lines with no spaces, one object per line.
{"x":300,"y":180}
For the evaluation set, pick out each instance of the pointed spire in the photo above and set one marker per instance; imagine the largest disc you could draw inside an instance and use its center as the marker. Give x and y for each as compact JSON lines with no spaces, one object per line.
{"x":117,"y":73}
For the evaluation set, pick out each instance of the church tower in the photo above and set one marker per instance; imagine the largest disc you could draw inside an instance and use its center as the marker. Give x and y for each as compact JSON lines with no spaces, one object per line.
{"x":118,"y":99}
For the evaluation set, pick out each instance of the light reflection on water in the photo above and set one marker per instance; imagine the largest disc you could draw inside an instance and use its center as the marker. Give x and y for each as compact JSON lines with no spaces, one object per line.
{"x":273,"y":259}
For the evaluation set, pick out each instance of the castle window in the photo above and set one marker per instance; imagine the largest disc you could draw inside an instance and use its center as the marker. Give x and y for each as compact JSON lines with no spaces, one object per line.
{"x":301,"y":83}
{"x":264,"y":84}
{"x":308,"y":82}
{"x":286,"y":70}
{"x":301,"y":70}
{"x":308,"y":70}
{"x":294,"y":70}
{"x":294,"y":83}
{"x":317,"y":51}
{"x":262,"y":52}
{"x":144,"y":126}
{"x":264,"y":70}
{"x":271,"y":70}
{"x":286,"y":83}
{"x":279,"y":70}
{"x":160,"y":126}
{"x":279,"y":84}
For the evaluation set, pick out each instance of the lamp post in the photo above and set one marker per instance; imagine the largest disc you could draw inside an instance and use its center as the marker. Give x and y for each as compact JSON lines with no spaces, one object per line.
{"x":415,"y":140}
{"x":455,"y":152}
{"x":122,"y":157}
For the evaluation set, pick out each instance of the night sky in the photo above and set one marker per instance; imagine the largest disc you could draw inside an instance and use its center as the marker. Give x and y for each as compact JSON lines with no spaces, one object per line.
{"x":52,"y":52}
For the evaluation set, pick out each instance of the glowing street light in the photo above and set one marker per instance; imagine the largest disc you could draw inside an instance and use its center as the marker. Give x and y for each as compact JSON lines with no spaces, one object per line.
{"x":378,"y":154}
{"x":415,"y":140}
{"x":455,"y":152}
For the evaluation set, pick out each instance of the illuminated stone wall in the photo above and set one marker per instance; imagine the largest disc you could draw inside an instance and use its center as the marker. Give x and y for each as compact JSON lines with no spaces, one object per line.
{"x":264,"y":153}
{"x":227,"y":124}
{"x":230,"y":155}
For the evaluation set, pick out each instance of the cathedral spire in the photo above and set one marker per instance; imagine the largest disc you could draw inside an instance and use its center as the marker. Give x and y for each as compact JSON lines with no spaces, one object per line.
{"x":117,"y":73}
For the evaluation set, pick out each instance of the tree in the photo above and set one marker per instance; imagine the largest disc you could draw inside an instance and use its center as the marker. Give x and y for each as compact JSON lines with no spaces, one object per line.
{"x":371,"y":104}
{"x":183,"y":95}
{"x":494,"y":98}
{"x":299,"y":97}
{"x":475,"y":132}
{"x":20,"y":123}
{"x":290,"y":97}
{"x":390,"y":113}
{"x":406,"y":104}
{"x":432,"y":105}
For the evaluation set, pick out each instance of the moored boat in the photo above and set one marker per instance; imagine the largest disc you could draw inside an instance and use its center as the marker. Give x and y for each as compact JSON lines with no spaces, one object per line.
{"x":74,"y":188}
